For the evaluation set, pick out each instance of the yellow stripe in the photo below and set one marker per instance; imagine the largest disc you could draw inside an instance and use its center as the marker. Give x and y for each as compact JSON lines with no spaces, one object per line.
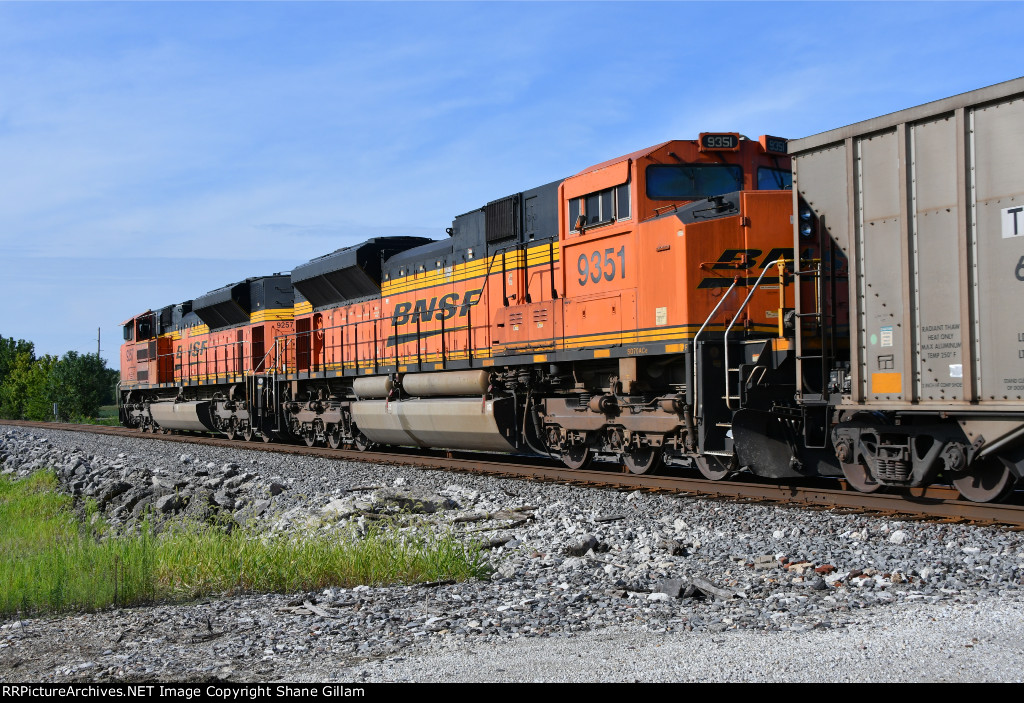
{"x":514,"y":261}
{"x":271,"y":315}
{"x":302,"y":308}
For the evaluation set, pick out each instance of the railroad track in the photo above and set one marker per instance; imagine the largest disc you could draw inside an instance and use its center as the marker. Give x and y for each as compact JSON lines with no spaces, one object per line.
{"x":932,"y":503}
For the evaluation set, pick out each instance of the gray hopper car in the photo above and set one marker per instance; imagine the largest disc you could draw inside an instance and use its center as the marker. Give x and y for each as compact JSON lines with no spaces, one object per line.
{"x":926,"y":206}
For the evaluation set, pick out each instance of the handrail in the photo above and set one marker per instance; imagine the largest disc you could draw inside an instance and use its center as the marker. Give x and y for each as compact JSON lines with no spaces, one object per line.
{"x":725,"y":339}
{"x":693,"y":343}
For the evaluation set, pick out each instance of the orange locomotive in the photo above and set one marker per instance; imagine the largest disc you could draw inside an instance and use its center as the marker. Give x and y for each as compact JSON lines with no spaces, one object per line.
{"x":639,"y":311}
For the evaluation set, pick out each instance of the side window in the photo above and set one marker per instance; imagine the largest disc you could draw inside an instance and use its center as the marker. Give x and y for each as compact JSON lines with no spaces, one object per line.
{"x":574,"y":213}
{"x":129,"y":331}
{"x":600,"y":207}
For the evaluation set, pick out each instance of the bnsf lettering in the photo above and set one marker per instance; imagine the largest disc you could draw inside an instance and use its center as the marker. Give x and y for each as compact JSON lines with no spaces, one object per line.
{"x":195,"y":349}
{"x":444,"y":308}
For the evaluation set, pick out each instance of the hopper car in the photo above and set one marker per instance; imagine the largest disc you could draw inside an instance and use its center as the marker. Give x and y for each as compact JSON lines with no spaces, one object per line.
{"x":836,"y":306}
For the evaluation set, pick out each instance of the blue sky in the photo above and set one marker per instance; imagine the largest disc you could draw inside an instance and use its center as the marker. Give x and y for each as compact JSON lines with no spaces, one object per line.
{"x":151,"y":152}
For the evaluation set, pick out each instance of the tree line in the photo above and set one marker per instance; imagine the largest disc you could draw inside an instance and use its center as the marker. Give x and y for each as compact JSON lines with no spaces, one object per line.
{"x":29,"y":385}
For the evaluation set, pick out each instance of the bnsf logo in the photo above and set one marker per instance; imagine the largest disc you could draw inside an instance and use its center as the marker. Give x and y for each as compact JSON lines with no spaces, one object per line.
{"x":747,"y":258}
{"x":444,"y":308}
{"x":743,"y":260}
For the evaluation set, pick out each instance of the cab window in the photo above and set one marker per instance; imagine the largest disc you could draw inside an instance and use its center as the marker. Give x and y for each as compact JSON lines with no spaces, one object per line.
{"x":692,"y":181}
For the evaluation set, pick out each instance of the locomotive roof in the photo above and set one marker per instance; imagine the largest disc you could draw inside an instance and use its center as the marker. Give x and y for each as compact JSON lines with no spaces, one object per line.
{"x":421,"y":252}
{"x":618,"y":159}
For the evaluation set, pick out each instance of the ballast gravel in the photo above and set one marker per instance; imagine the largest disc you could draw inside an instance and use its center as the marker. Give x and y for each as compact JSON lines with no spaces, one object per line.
{"x":588,"y":584}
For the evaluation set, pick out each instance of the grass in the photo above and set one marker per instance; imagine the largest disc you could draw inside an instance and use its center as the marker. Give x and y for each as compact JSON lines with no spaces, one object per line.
{"x":107,"y":415}
{"x":54,"y":558}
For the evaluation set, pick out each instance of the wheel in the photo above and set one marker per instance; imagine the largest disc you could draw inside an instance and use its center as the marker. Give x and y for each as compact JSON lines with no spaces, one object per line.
{"x":360,"y":443}
{"x":642,"y":460}
{"x":267,"y":437}
{"x":712,"y":467}
{"x":577,"y":456}
{"x":231,"y":432}
{"x":334,"y":440}
{"x":248,"y":433}
{"x":985,"y":481}
{"x":310,"y":440}
{"x":859,"y":478}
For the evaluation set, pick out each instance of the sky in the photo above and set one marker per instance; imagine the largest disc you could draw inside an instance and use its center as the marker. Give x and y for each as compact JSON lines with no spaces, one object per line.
{"x":151,"y":152}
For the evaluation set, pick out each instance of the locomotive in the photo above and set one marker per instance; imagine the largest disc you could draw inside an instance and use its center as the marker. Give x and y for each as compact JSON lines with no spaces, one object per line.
{"x":786,"y":308}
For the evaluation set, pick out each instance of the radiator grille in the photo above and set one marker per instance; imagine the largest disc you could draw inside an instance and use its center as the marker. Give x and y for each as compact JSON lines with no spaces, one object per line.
{"x":503,"y":219}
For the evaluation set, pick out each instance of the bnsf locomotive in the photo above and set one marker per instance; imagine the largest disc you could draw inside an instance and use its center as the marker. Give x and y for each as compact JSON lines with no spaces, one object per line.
{"x":841,"y":305}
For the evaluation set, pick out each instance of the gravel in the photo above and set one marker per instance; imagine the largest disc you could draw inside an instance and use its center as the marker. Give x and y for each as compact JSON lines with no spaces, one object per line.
{"x":589,"y":584}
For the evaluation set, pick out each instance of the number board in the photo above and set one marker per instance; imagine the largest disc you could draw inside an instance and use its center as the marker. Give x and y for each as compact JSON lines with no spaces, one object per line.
{"x":716,"y":141}
{"x":775,"y":145}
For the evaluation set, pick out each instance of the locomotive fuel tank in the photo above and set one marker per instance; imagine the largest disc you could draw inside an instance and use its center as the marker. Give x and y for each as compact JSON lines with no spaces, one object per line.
{"x":466,"y":423}
{"x":193,"y":416}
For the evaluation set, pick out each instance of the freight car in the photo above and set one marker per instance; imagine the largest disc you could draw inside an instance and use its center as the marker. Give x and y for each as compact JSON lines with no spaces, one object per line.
{"x":698,"y":304}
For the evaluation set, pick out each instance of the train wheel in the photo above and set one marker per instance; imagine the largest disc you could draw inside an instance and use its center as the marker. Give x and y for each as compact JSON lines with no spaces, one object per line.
{"x":334,"y":440}
{"x":267,"y":438}
{"x":231,"y":432}
{"x":310,"y":440}
{"x":577,"y":456}
{"x":859,"y":478}
{"x":712,"y":467}
{"x":985,"y":481}
{"x":361,"y":443}
{"x":642,"y":460}
{"x":248,"y":433}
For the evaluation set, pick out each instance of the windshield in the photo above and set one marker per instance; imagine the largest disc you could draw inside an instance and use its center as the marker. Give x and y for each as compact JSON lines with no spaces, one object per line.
{"x":774,"y":179}
{"x":692,"y":181}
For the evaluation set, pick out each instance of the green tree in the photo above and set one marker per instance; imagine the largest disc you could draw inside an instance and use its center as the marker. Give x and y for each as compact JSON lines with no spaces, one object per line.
{"x":9,"y":351}
{"x":38,"y":399}
{"x":79,"y":384}
{"x":13,"y":388}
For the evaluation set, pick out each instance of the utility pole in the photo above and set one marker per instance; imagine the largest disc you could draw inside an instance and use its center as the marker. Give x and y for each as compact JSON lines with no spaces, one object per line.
{"x":98,"y":342}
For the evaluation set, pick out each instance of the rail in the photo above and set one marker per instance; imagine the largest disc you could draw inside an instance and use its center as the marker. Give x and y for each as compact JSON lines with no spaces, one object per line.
{"x":933,"y":502}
